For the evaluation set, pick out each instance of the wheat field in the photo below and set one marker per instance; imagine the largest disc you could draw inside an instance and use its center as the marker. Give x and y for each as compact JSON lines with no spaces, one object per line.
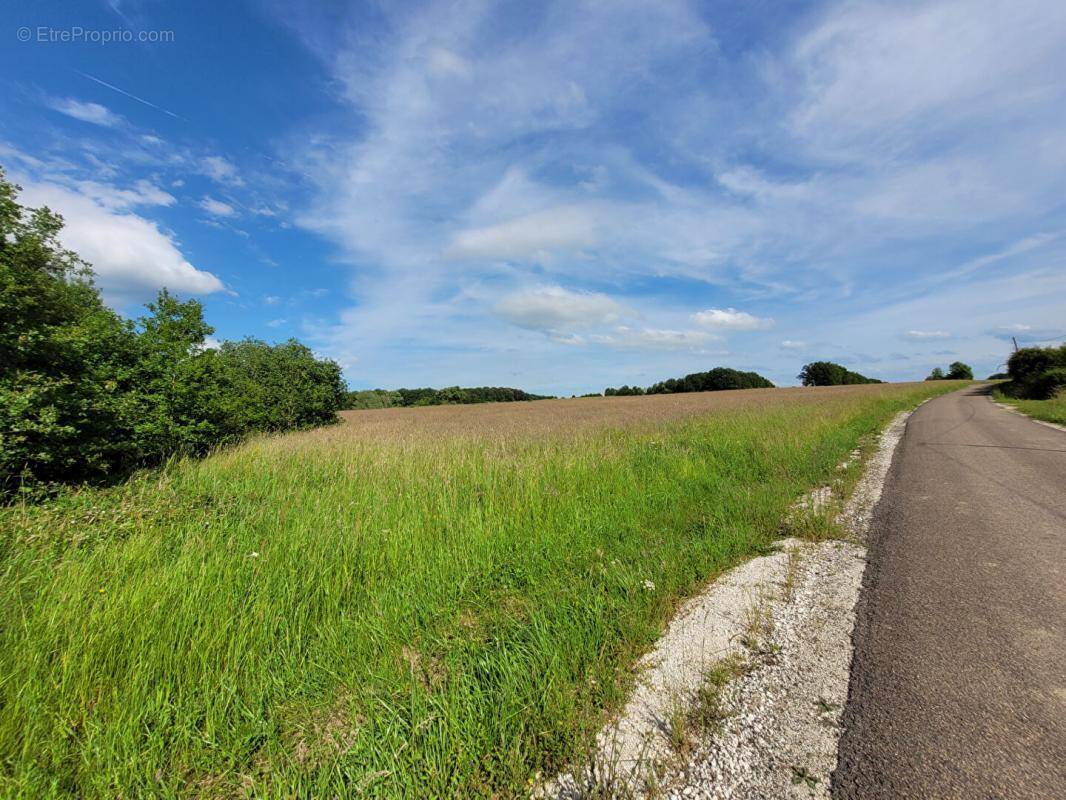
{"x":428,"y":602}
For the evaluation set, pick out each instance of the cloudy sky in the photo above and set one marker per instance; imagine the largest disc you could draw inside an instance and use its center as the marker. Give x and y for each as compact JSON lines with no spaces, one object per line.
{"x":561,"y":196}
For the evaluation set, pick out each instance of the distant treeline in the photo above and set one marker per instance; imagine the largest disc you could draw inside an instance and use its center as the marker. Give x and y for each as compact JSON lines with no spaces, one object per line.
{"x":715,"y":380}
{"x":1036,"y":373}
{"x":827,"y":373}
{"x":86,"y":394}
{"x":451,"y":395}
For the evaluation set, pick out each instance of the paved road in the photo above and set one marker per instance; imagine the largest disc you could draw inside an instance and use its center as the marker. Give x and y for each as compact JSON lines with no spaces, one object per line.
{"x":958,"y":687}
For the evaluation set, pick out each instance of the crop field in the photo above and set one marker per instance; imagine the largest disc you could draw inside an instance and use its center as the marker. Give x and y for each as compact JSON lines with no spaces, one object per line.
{"x":421,"y":602}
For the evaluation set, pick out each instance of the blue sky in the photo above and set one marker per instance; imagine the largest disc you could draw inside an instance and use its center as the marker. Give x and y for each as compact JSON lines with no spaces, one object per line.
{"x":561,"y":196}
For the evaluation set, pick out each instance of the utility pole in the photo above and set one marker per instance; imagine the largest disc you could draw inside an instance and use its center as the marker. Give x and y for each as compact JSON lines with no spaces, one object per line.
{"x":1015,"y":344}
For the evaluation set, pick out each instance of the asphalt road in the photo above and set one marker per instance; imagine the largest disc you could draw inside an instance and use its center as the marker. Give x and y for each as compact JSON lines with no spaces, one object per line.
{"x":958,"y":684}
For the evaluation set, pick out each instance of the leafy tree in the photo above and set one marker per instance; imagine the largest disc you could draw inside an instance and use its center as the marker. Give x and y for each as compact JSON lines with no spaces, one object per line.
{"x":957,"y":371}
{"x":936,"y":375}
{"x":828,"y":373}
{"x":63,"y":355}
{"x":86,"y":395}
{"x":715,"y":380}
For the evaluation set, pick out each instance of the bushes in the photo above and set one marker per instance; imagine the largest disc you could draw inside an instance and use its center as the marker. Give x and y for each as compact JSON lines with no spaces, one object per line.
{"x":1036,"y":373}
{"x":827,"y":373}
{"x":85,"y":394}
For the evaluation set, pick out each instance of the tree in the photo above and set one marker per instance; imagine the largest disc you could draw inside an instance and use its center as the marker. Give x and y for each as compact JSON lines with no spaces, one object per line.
{"x":85,"y":394}
{"x":63,"y":355}
{"x":936,"y":375}
{"x":957,"y":371}
{"x":714,"y":380}
{"x":828,"y":373}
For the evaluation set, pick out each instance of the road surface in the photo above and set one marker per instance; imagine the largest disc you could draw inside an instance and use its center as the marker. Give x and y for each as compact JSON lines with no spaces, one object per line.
{"x":958,"y":684}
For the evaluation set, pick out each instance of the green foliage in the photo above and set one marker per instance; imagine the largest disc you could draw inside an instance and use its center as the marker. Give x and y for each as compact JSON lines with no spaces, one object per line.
{"x":282,"y":386}
{"x":451,"y":395}
{"x":623,"y":391}
{"x":86,"y":395}
{"x":715,"y":380}
{"x":372,"y":398}
{"x":957,"y":371}
{"x":1036,"y":373}
{"x":828,"y":373}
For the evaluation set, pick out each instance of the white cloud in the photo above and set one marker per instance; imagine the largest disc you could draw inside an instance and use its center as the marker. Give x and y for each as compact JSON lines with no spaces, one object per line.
{"x":731,"y":319}
{"x":143,"y":193}
{"x":920,"y":335}
{"x":130,"y":255}
{"x":216,"y":207}
{"x":655,"y":339}
{"x":86,"y":112}
{"x":884,"y":144}
{"x":558,"y":310}
{"x":534,"y":236}
{"x":221,"y":171}
{"x":793,"y":344}
{"x":272,"y":300}
{"x":1017,"y":327}
{"x":444,"y":62}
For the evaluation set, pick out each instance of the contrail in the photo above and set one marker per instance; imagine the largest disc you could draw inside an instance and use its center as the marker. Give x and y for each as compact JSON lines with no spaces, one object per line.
{"x":114,"y":88}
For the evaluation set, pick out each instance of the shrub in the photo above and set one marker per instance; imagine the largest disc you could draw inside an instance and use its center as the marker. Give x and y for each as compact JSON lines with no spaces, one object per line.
{"x":1036,"y":372}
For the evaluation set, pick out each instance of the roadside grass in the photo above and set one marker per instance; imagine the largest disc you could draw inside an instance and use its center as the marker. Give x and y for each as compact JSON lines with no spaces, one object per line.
{"x":1052,"y":410}
{"x":415,"y":613}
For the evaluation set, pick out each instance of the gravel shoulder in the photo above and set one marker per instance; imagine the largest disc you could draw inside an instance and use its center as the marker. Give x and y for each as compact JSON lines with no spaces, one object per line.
{"x":783,"y":625}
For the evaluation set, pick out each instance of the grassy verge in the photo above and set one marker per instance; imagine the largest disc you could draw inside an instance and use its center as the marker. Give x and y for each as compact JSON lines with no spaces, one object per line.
{"x":1053,"y":410}
{"x":340,"y":615}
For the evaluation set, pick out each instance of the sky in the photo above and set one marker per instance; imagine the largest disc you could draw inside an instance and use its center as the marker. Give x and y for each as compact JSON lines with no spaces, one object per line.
{"x":561,"y":196}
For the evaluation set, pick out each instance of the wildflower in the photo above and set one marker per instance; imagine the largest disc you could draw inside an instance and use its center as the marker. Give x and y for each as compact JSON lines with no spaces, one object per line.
{"x":648,"y":586}
{"x":253,"y":554}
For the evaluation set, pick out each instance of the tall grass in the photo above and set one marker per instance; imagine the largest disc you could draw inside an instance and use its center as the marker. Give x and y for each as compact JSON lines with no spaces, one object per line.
{"x":430,"y":616}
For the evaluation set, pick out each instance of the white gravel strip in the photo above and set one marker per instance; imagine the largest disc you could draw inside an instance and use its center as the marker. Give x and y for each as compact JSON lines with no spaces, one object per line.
{"x":781,"y":733}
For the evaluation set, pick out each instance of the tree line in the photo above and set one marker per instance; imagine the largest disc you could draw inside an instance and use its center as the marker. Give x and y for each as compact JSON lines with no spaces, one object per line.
{"x":816,"y":373}
{"x":86,"y":394}
{"x":451,"y":395}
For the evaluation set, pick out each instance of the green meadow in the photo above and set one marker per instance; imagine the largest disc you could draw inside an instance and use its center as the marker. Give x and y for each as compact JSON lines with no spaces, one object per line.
{"x":438,"y":603}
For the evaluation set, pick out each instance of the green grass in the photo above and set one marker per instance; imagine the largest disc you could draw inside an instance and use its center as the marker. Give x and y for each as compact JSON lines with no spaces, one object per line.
{"x":424,"y":617}
{"x":1053,"y":410}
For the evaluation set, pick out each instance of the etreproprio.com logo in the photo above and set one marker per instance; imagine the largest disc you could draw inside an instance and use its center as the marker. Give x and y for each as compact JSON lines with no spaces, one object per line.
{"x":76,"y":34}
